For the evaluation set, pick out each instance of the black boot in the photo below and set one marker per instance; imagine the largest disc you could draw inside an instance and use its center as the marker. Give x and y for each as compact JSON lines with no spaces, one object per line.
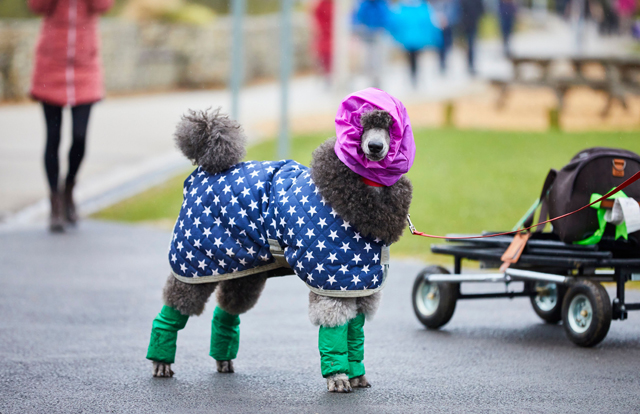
{"x":69,"y":206}
{"x":56,"y":220}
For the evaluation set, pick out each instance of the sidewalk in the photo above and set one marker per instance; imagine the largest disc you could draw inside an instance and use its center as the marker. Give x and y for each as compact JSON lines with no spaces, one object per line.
{"x":76,"y":312}
{"x":130,"y":144}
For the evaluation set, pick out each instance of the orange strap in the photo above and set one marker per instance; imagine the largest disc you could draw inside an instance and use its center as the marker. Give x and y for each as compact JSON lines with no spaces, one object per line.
{"x":635,"y":177}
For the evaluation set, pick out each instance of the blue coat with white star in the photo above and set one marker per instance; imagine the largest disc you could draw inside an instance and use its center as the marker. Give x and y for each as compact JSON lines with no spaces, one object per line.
{"x":226,"y":220}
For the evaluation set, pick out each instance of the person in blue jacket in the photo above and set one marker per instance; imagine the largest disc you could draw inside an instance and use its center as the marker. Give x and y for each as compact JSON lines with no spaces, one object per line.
{"x":411,"y":23}
{"x":370,"y":21}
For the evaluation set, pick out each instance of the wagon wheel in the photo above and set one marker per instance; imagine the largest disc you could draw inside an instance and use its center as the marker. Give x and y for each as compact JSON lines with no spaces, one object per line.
{"x":547,"y":304}
{"x":586,"y":313}
{"x":433,"y":302}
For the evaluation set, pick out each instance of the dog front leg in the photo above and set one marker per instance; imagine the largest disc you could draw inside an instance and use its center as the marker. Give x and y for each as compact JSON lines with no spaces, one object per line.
{"x":332,"y":315}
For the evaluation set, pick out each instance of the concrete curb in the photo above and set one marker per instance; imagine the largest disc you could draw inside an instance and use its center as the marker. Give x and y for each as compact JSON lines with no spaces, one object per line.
{"x":105,"y":190}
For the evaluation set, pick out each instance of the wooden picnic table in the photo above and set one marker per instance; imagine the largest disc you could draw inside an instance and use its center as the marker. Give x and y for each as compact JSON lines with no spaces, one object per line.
{"x":620,"y":77}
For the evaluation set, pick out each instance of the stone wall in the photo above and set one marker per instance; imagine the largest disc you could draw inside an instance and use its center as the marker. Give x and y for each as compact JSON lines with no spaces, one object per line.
{"x":155,"y":56}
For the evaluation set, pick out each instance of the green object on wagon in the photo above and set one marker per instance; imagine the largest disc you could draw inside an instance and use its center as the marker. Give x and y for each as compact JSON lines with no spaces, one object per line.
{"x":596,"y":237}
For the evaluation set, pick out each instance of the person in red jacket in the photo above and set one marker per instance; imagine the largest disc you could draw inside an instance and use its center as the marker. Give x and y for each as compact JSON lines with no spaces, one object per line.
{"x":323,"y":15}
{"x":67,"y":72}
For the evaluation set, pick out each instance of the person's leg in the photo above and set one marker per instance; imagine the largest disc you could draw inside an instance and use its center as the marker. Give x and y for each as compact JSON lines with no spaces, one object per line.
{"x":413,"y":66}
{"x":80,"y":117}
{"x":53,"y":121}
{"x":471,"y":39}
{"x":443,"y":51}
{"x":181,"y":300}
{"x":235,"y":297}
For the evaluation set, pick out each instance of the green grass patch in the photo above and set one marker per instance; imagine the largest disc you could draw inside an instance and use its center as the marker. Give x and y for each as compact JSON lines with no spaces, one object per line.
{"x":464,"y":181}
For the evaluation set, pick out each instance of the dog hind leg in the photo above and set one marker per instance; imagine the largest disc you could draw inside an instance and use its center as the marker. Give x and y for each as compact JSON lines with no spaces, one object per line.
{"x":181,"y":301}
{"x":235,"y":296}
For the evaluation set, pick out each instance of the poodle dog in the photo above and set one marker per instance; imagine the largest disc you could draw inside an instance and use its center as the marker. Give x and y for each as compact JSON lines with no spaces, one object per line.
{"x":331,"y":225}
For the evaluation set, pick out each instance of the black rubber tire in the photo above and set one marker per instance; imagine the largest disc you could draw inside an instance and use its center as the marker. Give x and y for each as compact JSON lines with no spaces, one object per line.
{"x":448,"y":293}
{"x":600,"y":303}
{"x":554,"y":315}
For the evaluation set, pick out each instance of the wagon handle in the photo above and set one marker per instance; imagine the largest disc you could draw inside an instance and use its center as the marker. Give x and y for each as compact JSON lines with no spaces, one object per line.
{"x":635,"y":177}
{"x":411,"y":226}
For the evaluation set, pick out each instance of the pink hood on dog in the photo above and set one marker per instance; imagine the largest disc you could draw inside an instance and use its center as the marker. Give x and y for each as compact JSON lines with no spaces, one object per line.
{"x":402,"y":149}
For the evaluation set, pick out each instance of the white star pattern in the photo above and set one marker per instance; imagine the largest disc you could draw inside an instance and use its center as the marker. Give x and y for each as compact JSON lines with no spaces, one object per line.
{"x":224,"y":225}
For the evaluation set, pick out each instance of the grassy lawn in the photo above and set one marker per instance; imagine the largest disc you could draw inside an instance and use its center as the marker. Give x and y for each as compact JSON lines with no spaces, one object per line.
{"x":464,"y":181}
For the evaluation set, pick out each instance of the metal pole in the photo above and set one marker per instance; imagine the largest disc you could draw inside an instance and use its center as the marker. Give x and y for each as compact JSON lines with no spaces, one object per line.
{"x":238,"y":10}
{"x":285,"y":74}
{"x":340,"y":45}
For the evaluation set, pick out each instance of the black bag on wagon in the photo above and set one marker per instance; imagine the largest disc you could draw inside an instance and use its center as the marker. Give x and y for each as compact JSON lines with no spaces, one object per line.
{"x":592,"y":172}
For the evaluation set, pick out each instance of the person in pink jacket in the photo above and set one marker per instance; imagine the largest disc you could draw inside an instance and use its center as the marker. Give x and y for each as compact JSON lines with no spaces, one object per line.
{"x":67,"y":72}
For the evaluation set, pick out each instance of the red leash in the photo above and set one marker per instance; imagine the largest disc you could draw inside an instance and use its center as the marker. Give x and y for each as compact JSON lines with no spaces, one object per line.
{"x":635,"y":177}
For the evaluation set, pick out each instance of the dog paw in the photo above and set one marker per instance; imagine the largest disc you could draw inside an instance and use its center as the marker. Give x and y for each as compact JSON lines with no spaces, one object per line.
{"x":338,"y":383}
{"x":225,"y":367}
{"x":161,"y":369}
{"x":360,"y":382}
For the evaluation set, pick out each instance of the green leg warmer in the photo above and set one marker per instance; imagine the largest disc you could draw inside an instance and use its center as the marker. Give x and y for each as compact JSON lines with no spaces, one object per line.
{"x":332,"y":343}
{"x":225,"y":335}
{"x":355,"y":341}
{"x":164,"y":335}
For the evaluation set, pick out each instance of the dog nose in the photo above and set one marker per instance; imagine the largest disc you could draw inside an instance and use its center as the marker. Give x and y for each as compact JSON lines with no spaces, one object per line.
{"x":375,"y":147}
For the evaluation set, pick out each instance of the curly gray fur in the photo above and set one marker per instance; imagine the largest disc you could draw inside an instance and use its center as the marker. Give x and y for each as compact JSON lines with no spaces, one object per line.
{"x":369,"y":304}
{"x":237,"y":296}
{"x":189,"y":299}
{"x":374,"y":211}
{"x":376,"y":119}
{"x":330,"y":312}
{"x":211,"y":140}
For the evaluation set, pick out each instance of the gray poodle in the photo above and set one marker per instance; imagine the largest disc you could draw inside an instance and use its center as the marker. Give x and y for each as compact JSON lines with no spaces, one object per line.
{"x":242,"y":223}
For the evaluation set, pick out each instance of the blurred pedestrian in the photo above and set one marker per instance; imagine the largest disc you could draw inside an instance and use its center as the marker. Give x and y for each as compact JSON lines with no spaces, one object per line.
{"x":323,"y":16}
{"x":411,"y":23}
{"x":447,"y":15}
{"x":626,"y":10}
{"x":67,"y":72}
{"x":507,"y":12}
{"x":370,"y":21}
{"x":472,"y":11}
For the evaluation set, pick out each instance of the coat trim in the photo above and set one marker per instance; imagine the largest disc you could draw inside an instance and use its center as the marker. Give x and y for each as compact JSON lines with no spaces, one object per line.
{"x":226,"y":276}
{"x":352,"y":293}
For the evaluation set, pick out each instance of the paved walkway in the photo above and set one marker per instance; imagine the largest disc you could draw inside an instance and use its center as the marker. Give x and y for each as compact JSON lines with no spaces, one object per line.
{"x":130,"y":138}
{"x":76,"y":312}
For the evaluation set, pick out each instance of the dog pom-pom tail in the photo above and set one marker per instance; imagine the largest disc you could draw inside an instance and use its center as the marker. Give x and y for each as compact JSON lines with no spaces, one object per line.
{"x":211,"y":140}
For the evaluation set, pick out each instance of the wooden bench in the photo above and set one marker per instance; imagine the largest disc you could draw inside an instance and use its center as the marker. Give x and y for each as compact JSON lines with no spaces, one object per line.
{"x":619,"y":78}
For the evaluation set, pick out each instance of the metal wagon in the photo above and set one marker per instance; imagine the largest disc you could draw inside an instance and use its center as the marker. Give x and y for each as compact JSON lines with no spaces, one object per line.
{"x":563,"y":282}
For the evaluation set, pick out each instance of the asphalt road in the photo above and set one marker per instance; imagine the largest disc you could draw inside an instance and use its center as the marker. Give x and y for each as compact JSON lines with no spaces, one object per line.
{"x":76,"y":311}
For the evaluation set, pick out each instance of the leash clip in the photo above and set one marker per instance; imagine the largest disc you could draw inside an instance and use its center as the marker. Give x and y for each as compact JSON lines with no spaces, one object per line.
{"x":411,"y":226}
